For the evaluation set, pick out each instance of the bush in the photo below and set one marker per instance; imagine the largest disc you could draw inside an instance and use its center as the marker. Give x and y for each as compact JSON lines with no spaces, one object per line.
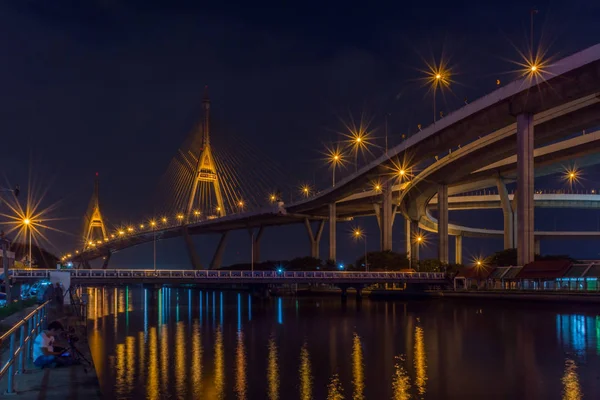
{"x":383,"y":261}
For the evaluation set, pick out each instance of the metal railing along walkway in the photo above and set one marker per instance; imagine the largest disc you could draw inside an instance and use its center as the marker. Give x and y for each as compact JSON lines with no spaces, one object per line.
{"x":124,"y":274}
{"x":25,"y":332}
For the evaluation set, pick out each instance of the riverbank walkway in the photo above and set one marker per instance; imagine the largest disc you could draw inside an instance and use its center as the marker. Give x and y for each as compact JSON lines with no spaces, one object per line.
{"x":73,"y":382}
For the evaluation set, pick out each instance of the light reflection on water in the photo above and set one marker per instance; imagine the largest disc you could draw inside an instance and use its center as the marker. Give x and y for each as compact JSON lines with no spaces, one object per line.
{"x":183,"y":343}
{"x":273,"y":371}
{"x":305,"y":374}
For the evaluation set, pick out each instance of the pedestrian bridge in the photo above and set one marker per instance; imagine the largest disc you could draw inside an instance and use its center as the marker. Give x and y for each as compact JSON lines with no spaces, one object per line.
{"x":125,"y":276}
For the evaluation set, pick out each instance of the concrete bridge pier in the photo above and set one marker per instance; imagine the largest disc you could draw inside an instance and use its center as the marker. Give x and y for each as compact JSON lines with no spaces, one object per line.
{"x":508,"y":210}
{"x":218,"y":256}
{"x":255,"y":238}
{"x":412,"y":244}
{"x":332,"y":231}
{"x":443,"y":223}
{"x":525,"y":202}
{"x":189,"y":244}
{"x":458,"y":258}
{"x":314,"y":239}
{"x":386,"y":214}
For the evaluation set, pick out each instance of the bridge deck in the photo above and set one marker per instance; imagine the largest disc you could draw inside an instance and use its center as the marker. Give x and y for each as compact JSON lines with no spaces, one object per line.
{"x":231,"y":277}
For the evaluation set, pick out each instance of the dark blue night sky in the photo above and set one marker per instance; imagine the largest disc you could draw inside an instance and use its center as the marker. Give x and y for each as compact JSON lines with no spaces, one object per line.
{"x":115,"y":86}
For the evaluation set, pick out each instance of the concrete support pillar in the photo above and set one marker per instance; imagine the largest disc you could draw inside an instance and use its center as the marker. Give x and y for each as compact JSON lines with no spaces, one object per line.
{"x":537,"y":248}
{"x":377,"y":208}
{"x":314,"y":239}
{"x":458,"y":249}
{"x":215,"y":263}
{"x":332,"y":231}
{"x":386,"y":218}
{"x":189,"y":244}
{"x":255,"y":237}
{"x":408,"y":237}
{"x":414,"y":242}
{"x":443,"y":223}
{"x":509,"y":215}
{"x":525,"y":181}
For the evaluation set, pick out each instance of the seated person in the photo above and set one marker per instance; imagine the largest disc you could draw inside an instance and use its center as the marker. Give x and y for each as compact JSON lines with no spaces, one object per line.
{"x":44,"y":351}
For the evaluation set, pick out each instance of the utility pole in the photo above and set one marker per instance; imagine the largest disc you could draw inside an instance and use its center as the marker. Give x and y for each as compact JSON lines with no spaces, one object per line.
{"x":5,"y":244}
{"x":533,"y":11}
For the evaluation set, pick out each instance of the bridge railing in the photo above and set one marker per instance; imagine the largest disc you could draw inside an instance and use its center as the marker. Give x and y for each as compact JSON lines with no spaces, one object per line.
{"x":25,"y":332}
{"x":233,"y":275}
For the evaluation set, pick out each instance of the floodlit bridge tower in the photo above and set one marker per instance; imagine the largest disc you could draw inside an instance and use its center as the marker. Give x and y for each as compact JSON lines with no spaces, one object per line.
{"x":94,"y":228}
{"x":206,"y":169}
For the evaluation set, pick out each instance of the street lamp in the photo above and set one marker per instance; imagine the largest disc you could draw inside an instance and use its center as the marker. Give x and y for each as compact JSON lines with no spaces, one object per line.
{"x":359,"y":234}
{"x":153,"y":225}
{"x":305,"y":190}
{"x":335,"y":158}
{"x":358,"y":136}
{"x":27,"y":222}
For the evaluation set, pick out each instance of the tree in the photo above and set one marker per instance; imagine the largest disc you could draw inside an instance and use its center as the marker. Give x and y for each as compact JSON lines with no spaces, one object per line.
{"x":383,"y":261}
{"x":434,"y":265}
{"x":304,"y":264}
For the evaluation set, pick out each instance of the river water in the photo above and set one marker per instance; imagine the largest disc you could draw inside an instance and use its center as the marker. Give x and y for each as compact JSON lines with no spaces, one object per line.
{"x":185,"y":343}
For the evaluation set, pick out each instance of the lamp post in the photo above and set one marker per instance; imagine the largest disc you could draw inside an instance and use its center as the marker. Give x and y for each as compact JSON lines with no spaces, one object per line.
{"x":27,"y":223}
{"x":153,"y":225}
{"x":334,"y":157}
{"x":359,"y":234}
{"x":252,"y":252}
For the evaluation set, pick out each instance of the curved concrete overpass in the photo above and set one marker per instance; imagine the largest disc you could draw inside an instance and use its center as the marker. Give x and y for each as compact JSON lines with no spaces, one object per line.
{"x":569,"y":93}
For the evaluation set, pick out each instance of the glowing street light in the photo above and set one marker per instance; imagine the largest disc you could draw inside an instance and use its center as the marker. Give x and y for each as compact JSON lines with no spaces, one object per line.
{"x":571,"y":175}
{"x":27,"y":223}
{"x":305,"y":190}
{"x":437,"y":77}
{"x":336,"y":158}
{"x":359,"y":234}
{"x":358,"y":136}
{"x":153,"y":225}
{"x":164,"y":220}
{"x":272,"y":198}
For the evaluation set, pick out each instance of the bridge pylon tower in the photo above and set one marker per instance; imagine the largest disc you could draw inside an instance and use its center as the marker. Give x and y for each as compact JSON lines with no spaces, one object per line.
{"x":206,"y":169}
{"x":94,"y":228}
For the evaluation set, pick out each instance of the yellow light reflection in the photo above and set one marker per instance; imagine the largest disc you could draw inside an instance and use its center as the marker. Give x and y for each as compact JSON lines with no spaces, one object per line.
{"x":130,"y":364}
{"x":120,"y":370}
{"x":180,"y":355}
{"x":570,"y":381}
{"x":152,"y":382}
{"x":197,"y":361}
{"x":164,"y":358}
{"x":358,"y":373}
{"x":240,"y":367}
{"x":400,"y":381}
{"x":335,"y":391}
{"x":305,"y":374}
{"x":219,"y":365}
{"x":420,"y":361}
{"x":141,"y":356}
{"x":273,"y":371}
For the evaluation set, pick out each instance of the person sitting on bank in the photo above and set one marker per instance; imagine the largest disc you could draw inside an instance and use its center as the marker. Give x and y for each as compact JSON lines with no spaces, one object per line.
{"x":44,"y":351}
